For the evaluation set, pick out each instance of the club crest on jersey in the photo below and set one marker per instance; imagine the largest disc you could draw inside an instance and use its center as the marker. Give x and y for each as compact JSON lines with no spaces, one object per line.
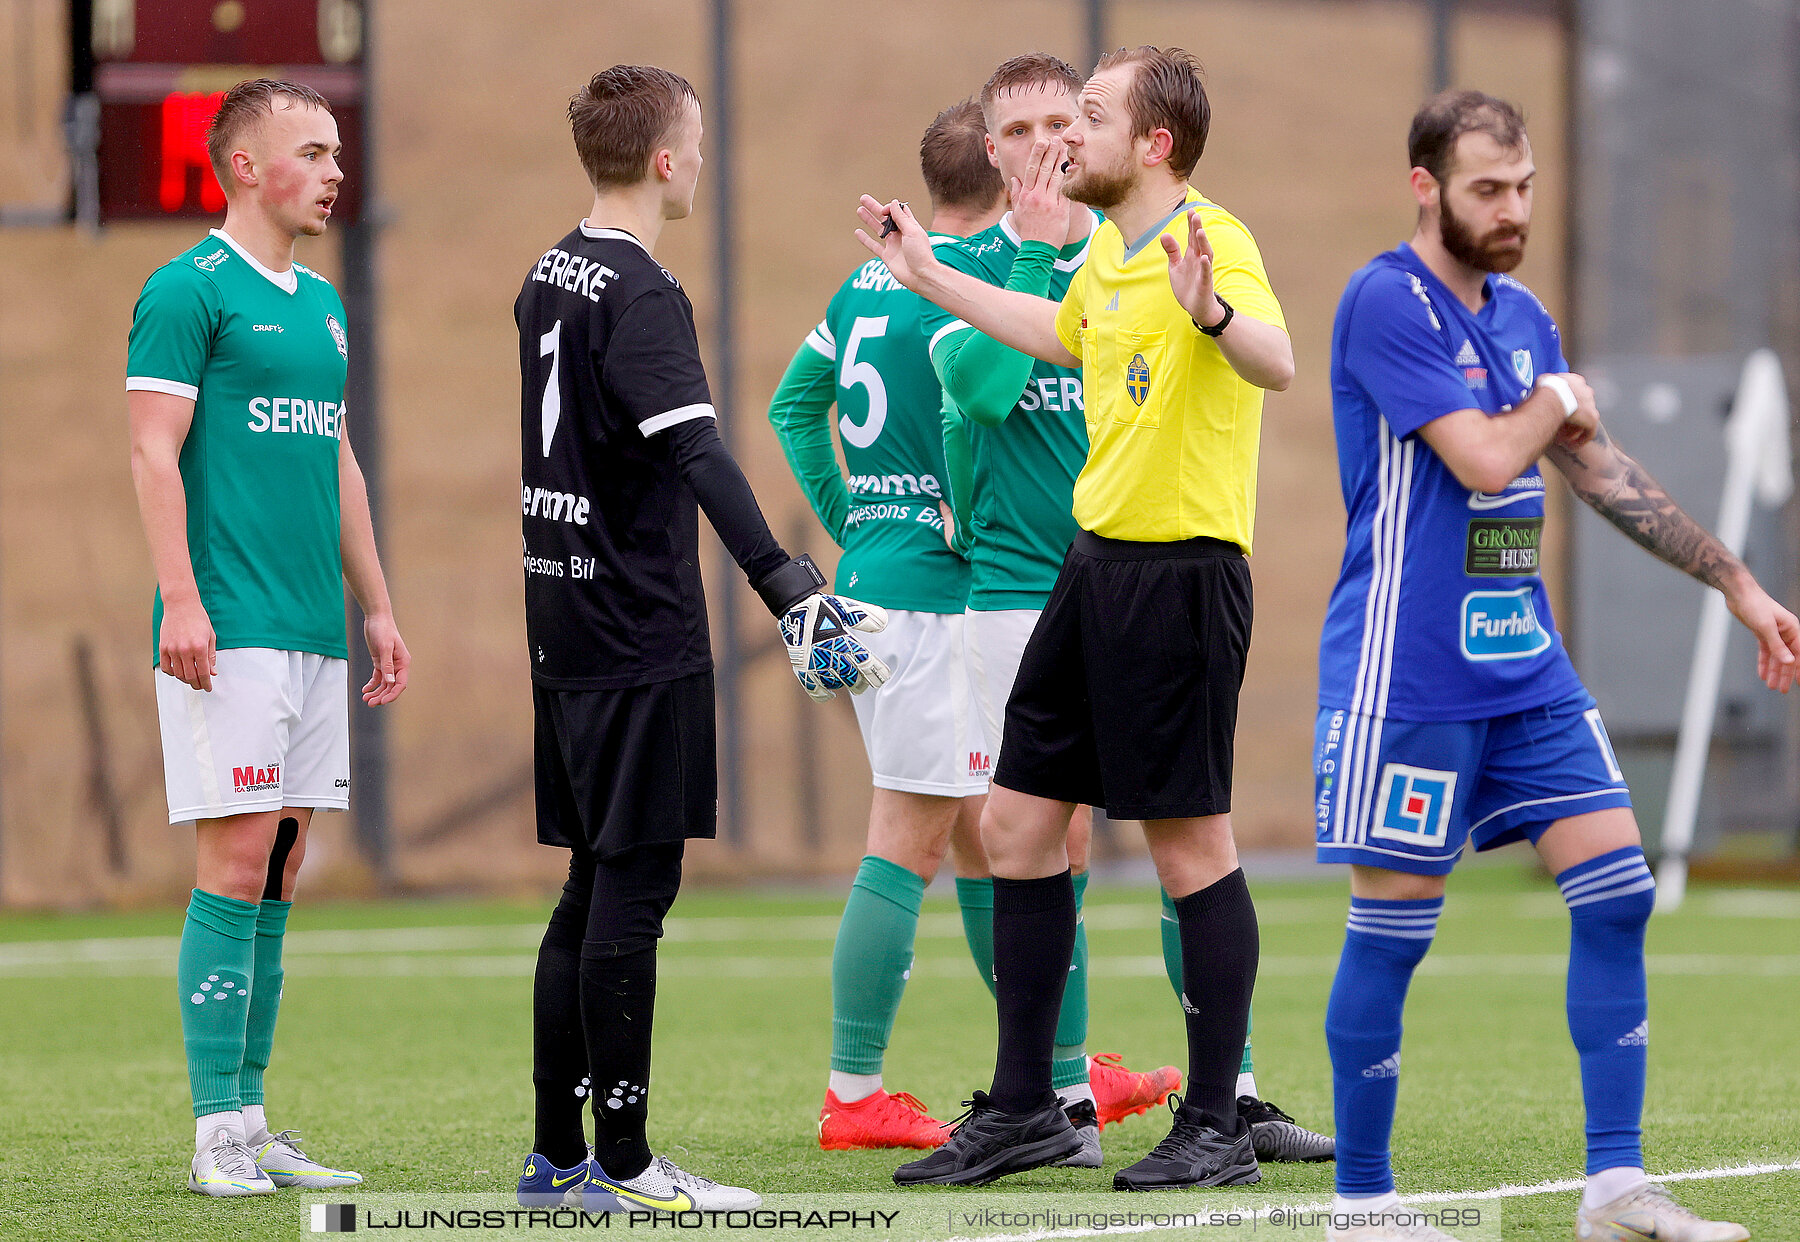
{"x":1522,"y":366}
{"x":1137,"y":379}
{"x":1414,"y":805}
{"x":337,"y":335}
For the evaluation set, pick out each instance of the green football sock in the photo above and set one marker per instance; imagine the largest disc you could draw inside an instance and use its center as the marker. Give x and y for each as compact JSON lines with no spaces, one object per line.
{"x":213,"y":979}
{"x":265,"y":997}
{"x":870,"y":962}
{"x":1068,"y":1057}
{"x":976,"y":897}
{"x":1171,"y":943}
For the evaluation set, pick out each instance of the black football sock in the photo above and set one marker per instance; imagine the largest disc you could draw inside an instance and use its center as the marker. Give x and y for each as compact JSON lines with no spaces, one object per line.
{"x":559,"y":1069}
{"x":1219,"y":948}
{"x":1034,"y":942}
{"x":618,"y":1002}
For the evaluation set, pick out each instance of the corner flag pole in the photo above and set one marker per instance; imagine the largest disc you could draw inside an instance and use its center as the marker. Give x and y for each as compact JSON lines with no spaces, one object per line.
{"x":1758,"y":467}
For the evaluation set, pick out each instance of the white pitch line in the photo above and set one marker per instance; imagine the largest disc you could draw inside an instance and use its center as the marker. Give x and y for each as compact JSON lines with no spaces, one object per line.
{"x":1445,"y":1196}
{"x":429,"y":962}
{"x":730,"y":929}
{"x":1104,"y":916}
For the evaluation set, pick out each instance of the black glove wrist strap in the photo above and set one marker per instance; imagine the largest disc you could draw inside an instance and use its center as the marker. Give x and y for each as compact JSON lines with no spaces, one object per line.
{"x":790,"y":584}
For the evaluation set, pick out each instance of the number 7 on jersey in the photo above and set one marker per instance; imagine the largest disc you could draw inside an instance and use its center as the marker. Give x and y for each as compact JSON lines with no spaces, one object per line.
{"x":551,"y":343}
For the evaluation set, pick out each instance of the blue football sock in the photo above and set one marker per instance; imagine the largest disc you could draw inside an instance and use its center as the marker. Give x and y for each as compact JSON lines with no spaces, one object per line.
{"x":1384,"y":942}
{"x":1610,"y":899}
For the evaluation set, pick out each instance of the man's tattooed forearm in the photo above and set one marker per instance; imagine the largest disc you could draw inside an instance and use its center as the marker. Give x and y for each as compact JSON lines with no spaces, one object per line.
{"x":1625,"y":494}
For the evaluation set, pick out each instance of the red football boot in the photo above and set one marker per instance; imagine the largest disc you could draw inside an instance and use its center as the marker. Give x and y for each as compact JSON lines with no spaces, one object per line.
{"x":878,"y":1120}
{"x":1120,"y":1093}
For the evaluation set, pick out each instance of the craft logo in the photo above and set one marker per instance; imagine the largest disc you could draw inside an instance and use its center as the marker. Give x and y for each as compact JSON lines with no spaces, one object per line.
{"x":1414,"y":805}
{"x":1137,"y":379}
{"x":337,"y":335}
{"x":256,"y":780}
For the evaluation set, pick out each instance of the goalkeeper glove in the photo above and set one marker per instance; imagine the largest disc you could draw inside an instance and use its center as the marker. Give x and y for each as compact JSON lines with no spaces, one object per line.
{"x":818,"y":630}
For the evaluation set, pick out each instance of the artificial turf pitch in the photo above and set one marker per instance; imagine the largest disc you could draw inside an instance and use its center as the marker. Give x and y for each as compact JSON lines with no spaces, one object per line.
{"x":404,"y":1051}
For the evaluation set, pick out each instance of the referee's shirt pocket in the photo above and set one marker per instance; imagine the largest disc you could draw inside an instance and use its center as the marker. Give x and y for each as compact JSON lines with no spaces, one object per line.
{"x":1140,"y":362}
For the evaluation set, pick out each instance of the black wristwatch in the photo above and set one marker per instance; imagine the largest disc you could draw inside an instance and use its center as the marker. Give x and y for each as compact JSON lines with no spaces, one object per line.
{"x":1219,"y":327}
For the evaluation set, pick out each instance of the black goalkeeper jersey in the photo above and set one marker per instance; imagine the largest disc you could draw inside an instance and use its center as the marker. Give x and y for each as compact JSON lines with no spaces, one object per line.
{"x":608,"y":358}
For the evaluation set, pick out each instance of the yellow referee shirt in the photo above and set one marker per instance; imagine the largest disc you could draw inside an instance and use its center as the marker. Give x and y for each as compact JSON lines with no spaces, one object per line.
{"x":1172,"y":429}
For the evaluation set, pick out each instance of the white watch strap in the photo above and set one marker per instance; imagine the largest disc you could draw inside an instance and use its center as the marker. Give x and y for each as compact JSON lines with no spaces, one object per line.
{"x":1560,"y":386}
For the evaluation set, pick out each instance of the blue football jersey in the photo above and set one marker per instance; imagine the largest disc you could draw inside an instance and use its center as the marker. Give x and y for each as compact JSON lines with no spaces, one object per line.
{"x":1439,"y":612}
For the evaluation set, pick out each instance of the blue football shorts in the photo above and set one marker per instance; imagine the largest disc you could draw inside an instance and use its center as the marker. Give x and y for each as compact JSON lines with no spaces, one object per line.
{"x":1407,"y":795}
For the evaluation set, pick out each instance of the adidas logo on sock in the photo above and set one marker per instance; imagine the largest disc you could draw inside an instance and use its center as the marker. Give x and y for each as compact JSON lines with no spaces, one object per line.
{"x":1187,"y":1005}
{"x":1639,"y":1036}
{"x":1389,"y":1068}
{"x":1466,"y":356}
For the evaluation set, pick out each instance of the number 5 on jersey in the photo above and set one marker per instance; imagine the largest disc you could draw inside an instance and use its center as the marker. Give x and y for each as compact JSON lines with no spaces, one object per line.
{"x":865,"y":433}
{"x":551,"y":343}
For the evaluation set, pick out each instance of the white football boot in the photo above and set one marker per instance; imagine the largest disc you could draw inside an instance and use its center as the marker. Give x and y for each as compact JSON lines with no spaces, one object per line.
{"x":286,"y":1165}
{"x":226,"y":1168}
{"x":663,"y":1187}
{"x":1645,"y":1213}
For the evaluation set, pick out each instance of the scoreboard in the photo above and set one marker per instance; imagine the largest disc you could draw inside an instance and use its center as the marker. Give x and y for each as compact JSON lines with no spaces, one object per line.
{"x":159,"y":68}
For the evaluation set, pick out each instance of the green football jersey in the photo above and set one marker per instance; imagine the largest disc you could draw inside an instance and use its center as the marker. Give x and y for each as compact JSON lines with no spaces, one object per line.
{"x":263,"y":356}
{"x":890,"y":430}
{"x":1023,"y":483}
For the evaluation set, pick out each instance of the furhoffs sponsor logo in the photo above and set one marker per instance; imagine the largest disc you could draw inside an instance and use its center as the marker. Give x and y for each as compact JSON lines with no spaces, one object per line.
{"x":256,"y":780}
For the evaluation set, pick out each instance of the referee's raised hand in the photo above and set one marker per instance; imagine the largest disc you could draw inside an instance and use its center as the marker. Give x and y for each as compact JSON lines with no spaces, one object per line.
{"x":1191,"y":274}
{"x":898,"y":240}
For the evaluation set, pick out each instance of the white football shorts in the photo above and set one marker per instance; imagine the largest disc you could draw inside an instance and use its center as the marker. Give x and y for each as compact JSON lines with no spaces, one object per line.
{"x":996,"y":642}
{"x":274,"y":731}
{"x":922,"y":729}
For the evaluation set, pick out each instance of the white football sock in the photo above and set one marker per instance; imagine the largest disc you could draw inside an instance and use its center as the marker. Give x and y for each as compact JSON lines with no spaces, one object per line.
{"x":1247,"y":1085}
{"x":1364,"y":1203}
{"x":1066,"y":1096}
{"x":256,"y":1125}
{"x":1608,"y":1184}
{"x":205,"y":1126}
{"x":849,"y":1088}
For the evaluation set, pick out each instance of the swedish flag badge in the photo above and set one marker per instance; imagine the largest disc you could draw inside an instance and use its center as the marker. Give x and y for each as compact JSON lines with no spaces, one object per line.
{"x":1137,"y":379}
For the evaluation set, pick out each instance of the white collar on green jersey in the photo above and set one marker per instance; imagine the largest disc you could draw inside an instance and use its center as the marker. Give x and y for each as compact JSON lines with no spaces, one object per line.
{"x":1062,"y":265}
{"x":593,"y":234}
{"x":287,"y":281}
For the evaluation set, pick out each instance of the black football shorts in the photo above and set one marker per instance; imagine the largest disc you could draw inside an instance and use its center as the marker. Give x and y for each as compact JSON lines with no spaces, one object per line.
{"x":1127,"y":692}
{"x":634,"y":766}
